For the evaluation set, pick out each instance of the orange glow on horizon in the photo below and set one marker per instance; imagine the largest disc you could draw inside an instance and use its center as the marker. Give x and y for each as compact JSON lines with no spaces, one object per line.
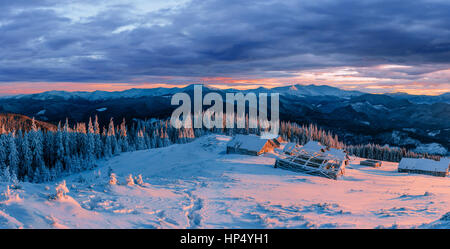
{"x":38,"y":87}
{"x":344,"y":78}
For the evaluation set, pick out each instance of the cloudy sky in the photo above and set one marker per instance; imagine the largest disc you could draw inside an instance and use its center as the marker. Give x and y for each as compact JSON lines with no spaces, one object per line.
{"x":373,"y":46}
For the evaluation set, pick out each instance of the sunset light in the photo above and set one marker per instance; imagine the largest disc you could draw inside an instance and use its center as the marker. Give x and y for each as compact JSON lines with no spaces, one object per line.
{"x":225,"y":123}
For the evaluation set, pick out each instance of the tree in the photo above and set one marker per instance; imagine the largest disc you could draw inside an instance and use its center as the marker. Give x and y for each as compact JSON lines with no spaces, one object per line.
{"x":13,"y":156}
{"x":26,"y":159}
{"x":112,"y":179}
{"x":107,"y":150}
{"x":96,"y":125}
{"x":37,"y":150}
{"x":90,"y":126}
{"x":7,"y":194}
{"x":61,"y":191}
{"x":5,"y":175}
{"x":139,"y":180}
{"x":130,"y":181}
{"x":37,"y":176}
{"x":33,"y":125}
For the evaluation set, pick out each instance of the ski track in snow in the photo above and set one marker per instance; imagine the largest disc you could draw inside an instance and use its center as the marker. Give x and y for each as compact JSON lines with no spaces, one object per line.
{"x":197,"y":185}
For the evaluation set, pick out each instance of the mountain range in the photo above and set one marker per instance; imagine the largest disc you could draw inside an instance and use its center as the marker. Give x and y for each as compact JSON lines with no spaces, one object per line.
{"x":396,"y":119}
{"x":297,"y":90}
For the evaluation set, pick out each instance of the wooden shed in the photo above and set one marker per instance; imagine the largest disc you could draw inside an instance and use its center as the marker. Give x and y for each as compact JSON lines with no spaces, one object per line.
{"x":251,"y":145}
{"x":313,"y":158}
{"x":371,"y":163}
{"x":425,"y":166}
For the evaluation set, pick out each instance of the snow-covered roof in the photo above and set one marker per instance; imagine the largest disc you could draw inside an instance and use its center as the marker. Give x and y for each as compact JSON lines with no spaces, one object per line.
{"x":247,"y":142}
{"x":289,"y":147}
{"x":424,"y":164}
{"x":312,"y":147}
{"x":316,"y":148}
{"x":336,"y":153}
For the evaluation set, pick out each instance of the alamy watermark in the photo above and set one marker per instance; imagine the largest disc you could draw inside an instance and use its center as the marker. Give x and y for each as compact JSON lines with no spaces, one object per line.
{"x":235,"y":116}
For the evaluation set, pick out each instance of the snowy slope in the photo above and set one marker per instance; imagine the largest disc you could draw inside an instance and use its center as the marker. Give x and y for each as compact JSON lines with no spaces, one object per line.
{"x":197,"y":185}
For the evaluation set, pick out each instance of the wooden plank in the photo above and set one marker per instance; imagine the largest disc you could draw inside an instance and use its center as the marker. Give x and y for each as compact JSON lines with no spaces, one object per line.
{"x":284,"y":164}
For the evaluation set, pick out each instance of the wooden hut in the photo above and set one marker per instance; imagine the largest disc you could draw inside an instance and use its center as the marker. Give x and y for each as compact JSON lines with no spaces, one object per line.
{"x":250,"y":145}
{"x":371,"y":163}
{"x":425,"y":166}
{"x":313,"y":158}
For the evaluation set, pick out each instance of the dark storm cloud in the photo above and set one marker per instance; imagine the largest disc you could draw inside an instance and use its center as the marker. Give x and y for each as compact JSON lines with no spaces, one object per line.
{"x":210,"y":38}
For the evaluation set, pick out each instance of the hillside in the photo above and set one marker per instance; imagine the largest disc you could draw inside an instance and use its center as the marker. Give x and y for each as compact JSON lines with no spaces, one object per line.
{"x":15,"y":122}
{"x":197,"y":185}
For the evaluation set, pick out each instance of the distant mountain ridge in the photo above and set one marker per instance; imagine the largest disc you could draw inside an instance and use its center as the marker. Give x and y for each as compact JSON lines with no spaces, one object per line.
{"x":423,"y":99}
{"x":316,"y":90}
{"x":306,"y":90}
{"x":296,"y":90}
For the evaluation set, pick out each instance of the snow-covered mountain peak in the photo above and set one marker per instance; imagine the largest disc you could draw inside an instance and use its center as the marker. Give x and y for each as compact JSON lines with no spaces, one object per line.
{"x":293,"y":88}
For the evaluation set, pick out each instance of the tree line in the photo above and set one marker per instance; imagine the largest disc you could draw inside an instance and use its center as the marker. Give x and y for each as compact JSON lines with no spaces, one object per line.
{"x":41,"y":156}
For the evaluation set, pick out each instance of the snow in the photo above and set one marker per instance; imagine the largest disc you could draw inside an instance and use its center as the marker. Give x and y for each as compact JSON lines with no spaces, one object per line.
{"x":364,"y":106}
{"x":312,"y":147}
{"x":380,"y":107}
{"x":102,"y":109}
{"x":434,"y":133}
{"x":402,"y":139}
{"x":433,"y":148}
{"x":102,"y":95}
{"x":365,"y":122}
{"x":335,"y":153}
{"x":247,"y":142}
{"x":198,"y":185}
{"x":425,"y":164}
{"x":290,"y":147}
{"x":297,"y":90}
{"x":41,"y":112}
{"x":315,"y":90}
{"x":414,"y":130}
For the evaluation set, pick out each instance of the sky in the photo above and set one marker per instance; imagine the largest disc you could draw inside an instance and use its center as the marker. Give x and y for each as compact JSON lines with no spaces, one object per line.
{"x":374,"y":46}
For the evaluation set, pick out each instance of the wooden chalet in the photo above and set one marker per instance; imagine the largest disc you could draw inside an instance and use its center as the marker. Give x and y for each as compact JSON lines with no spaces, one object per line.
{"x":425,"y":166}
{"x":314,"y":158}
{"x":251,"y":145}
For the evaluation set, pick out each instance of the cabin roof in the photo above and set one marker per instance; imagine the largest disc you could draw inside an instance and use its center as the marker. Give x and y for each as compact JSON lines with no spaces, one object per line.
{"x":424,"y":164}
{"x":247,"y":142}
{"x":336,"y":153}
{"x":316,"y":148}
{"x":289,"y":147}
{"x":312,"y":147}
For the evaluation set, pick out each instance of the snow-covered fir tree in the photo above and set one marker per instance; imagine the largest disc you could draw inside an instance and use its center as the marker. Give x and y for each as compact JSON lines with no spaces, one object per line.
{"x":112,"y":179}
{"x":130,"y":181}
{"x":61,"y":191}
